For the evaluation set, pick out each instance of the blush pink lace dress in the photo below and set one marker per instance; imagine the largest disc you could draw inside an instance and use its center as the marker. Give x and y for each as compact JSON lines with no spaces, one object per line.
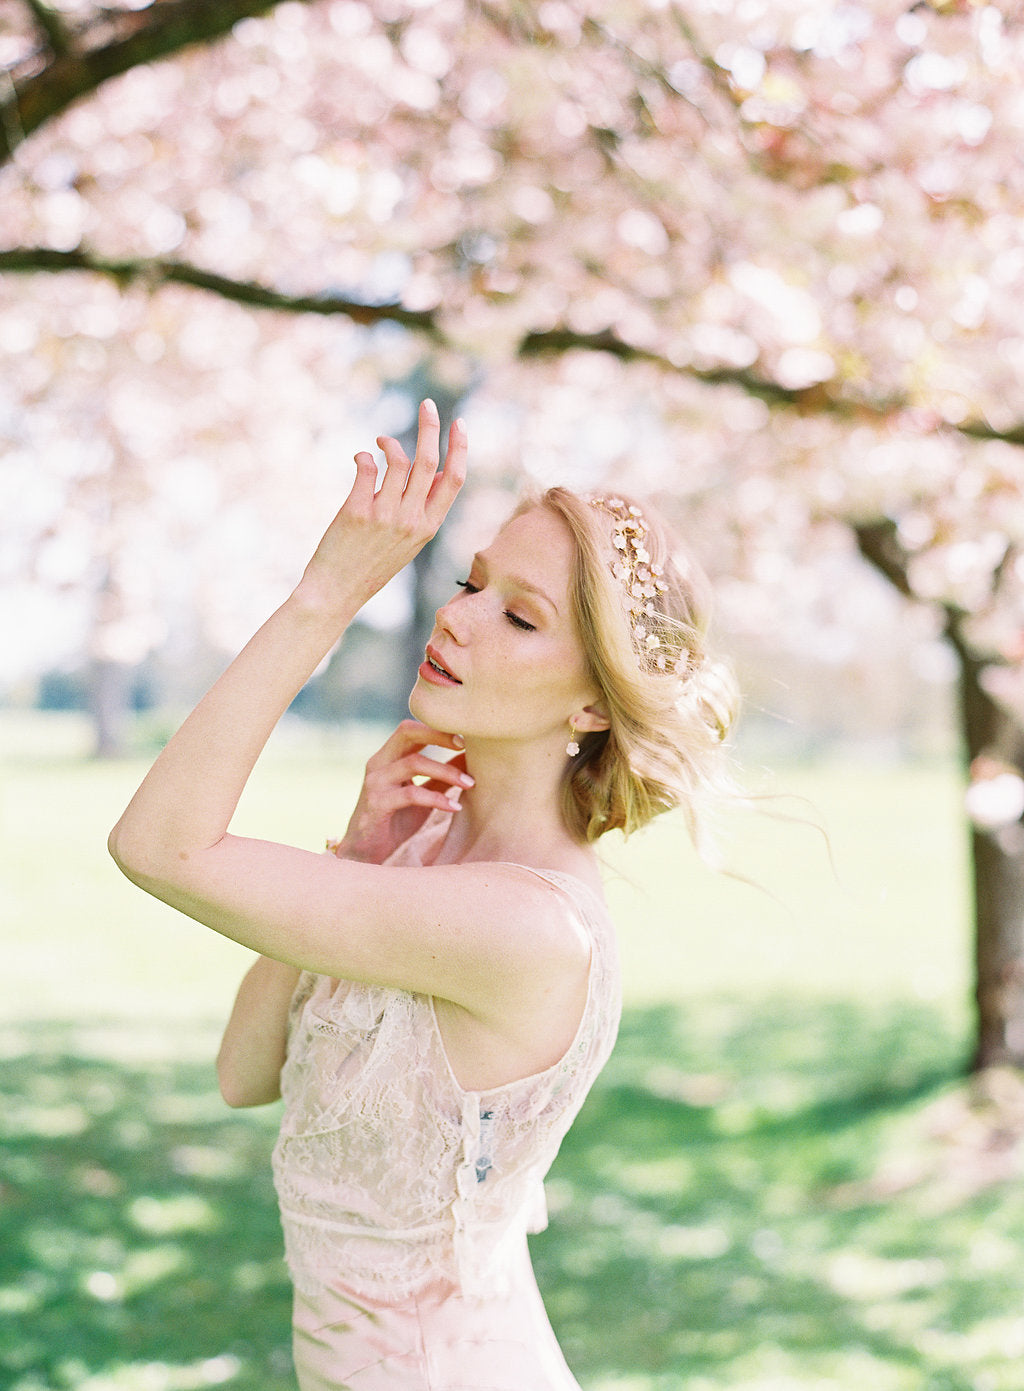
{"x":406,"y":1199}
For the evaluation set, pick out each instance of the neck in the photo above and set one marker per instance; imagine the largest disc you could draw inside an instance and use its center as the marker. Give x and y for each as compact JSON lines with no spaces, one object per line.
{"x":513,"y":811}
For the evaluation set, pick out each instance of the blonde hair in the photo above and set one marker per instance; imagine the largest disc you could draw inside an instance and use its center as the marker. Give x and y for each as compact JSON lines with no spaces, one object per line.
{"x":669,"y":716}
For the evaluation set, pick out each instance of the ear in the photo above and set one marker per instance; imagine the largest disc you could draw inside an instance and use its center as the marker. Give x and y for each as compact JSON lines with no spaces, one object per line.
{"x":591,"y":719}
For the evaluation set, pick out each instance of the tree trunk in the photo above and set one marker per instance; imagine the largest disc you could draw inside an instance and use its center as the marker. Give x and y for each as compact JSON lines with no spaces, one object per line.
{"x":992,"y":738}
{"x":109,"y":705}
{"x":426,"y":591}
{"x":992,"y":734}
{"x":999,"y":910}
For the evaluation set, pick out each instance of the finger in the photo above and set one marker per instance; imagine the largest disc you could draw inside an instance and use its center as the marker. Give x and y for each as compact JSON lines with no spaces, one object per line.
{"x":425,"y":463}
{"x":409,"y":735}
{"x":402,"y":738}
{"x":396,"y":473}
{"x":419,"y":765}
{"x":443,"y":801}
{"x":463,"y":780}
{"x":418,"y":734}
{"x":447,"y":775}
{"x":446,"y":485}
{"x":361,"y":494}
{"x":459,"y":761}
{"x":421,"y":794}
{"x":428,"y":437}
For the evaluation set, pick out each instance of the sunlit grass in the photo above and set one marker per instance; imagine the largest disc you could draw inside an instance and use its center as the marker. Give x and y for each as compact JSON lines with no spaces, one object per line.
{"x":858,"y":884}
{"x":775,"y":1186}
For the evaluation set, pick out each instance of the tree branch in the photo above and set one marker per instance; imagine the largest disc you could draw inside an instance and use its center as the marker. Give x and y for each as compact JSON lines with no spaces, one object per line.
{"x":982,"y":430}
{"x":809,"y":399}
{"x":52,"y":27}
{"x":879,"y":544}
{"x":164,"y":28}
{"x":159,"y":271}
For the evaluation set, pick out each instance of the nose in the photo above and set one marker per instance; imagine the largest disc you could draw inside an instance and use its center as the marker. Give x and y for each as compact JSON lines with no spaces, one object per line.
{"x":451,"y":619}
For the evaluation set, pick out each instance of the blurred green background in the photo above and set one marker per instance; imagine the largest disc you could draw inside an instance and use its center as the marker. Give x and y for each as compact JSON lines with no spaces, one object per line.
{"x":777,"y":1183}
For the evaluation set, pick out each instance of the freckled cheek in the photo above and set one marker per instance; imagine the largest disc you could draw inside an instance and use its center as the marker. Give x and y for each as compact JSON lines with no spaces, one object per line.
{"x":548,"y":677}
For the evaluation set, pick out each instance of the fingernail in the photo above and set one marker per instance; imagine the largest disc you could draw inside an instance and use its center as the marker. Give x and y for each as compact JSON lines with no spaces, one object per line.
{"x":458,"y":741}
{"x":460,"y":425}
{"x":429,"y":407}
{"x":455,"y":806}
{"x":466,"y":780}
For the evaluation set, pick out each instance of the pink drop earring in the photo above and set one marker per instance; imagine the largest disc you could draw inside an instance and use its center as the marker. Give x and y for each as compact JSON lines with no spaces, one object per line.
{"x":572,"y":748}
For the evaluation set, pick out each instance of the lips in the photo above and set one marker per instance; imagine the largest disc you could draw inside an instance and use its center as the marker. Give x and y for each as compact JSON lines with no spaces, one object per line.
{"x":434,"y":661}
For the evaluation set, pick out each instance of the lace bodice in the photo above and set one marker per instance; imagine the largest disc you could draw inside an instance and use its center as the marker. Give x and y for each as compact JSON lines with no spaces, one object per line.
{"x":388,"y":1172}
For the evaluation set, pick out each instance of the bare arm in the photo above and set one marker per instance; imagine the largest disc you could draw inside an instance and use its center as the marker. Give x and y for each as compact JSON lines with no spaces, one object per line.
{"x":390,"y":807}
{"x":185,"y":804}
{"x":478,"y":935}
{"x":252,"y":1051}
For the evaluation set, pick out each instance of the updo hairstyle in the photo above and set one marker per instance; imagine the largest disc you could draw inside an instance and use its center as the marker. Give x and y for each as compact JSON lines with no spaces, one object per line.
{"x":670,"y":706}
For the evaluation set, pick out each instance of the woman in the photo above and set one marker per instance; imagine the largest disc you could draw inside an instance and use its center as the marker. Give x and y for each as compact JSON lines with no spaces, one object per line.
{"x":435,"y":998}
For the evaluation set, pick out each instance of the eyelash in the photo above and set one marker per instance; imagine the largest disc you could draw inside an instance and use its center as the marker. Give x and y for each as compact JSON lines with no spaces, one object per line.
{"x":513,"y":618}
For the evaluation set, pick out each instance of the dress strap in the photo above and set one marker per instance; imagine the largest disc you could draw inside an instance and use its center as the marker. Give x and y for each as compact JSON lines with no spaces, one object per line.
{"x":562,"y":879}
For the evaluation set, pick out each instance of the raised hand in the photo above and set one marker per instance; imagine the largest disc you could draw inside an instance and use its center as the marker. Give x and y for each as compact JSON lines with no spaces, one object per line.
{"x":391,"y":805}
{"x":378,"y":531}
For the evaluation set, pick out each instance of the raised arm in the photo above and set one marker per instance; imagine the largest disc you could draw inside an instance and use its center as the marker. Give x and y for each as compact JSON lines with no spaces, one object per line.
{"x":186,"y":802}
{"x":480,"y":935}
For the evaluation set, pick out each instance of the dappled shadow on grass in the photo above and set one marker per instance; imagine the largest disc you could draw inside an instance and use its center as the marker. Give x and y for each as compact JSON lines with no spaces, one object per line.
{"x":718,"y":1223}
{"x":715,"y":1220}
{"x":139,"y":1240}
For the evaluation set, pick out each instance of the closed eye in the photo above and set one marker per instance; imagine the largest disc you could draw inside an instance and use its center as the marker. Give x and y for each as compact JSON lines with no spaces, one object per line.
{"x":518,"y":622}
{"x":513,"y":618}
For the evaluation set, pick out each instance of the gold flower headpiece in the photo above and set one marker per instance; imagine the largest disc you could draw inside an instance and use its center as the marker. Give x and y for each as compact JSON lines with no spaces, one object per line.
{"x":642,"y":581}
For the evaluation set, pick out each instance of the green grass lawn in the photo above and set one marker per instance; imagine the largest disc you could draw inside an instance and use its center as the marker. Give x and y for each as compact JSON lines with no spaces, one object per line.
{"x":776,"y":1185}
{"x":857,"y":885}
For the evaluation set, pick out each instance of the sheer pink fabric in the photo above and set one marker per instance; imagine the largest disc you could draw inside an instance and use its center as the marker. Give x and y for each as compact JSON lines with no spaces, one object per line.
{"x":437,"y":1340}
{"x":408,"y":1197}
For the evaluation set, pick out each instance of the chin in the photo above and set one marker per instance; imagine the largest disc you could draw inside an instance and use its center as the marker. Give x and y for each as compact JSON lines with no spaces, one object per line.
{"x":419,"y":705}
{"x":428,"y":712}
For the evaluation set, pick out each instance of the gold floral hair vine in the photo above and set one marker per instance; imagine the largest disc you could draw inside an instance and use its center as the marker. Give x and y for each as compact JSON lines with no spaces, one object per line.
{"x":642,"y":581}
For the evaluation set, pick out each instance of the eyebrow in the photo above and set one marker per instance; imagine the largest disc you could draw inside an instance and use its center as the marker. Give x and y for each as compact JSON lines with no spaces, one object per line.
{"x":517,"y":582}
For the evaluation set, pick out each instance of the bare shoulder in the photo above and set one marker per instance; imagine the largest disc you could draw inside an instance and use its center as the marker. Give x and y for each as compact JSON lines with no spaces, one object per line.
{"x":527,"y":1005}
{"x":495,"y":938}
{"x":551,"y":898}
{"x":510,"y":913}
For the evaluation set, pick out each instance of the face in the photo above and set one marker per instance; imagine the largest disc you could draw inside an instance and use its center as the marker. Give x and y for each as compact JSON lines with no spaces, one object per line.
{"x":513,"y":667}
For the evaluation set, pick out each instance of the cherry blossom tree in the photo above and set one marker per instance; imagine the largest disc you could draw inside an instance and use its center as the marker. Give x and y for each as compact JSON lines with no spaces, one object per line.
{"x":762,"y":258}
